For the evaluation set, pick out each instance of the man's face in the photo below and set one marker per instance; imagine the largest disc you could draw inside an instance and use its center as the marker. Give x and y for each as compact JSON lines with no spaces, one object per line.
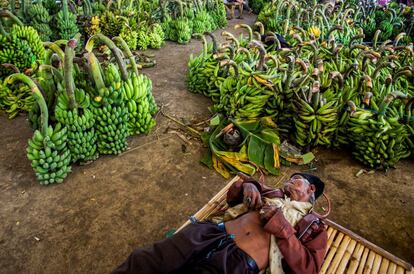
{"x":298,"y":188}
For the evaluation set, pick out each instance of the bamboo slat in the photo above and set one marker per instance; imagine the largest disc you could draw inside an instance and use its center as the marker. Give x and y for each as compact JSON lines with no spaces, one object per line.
{"x":392,"y":268}
{"x":384,"y":266}
{"x":362,"y":261}
{"x":339,"y":255}
{"x":377,"y":263}
{"x":400,"y":270}
{"x":331,"y":253}
{"x":356,"y":258}
{"x":347,"y":252}
{"x":346,"y":257}
{"x":369,"y":263}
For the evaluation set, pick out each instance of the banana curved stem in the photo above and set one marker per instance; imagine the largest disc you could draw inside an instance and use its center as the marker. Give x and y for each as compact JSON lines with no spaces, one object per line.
{"x":214,"y":40}
{"x":95,"y":70}
{"x":56,"y":49}
{"x":260,"y":26}
{"x":262,"y":53}
{"x":230,"y":63}
{"x":11,"y":67}
{"x":114,"y":49}
{"x":248,"y":28}
{"x":398,"y":38}
{"x":8,"y":14}
{"x":127,"y":52}
{"x":68,"y":69}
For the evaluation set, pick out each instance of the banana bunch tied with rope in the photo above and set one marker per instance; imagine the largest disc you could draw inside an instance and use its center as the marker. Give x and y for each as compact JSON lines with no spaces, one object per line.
{"x":137,"y":92}
{"x":379,"y":138}
{"x":73,"y":110}
{"x":66,"y":22}
{"x":47,"y":149}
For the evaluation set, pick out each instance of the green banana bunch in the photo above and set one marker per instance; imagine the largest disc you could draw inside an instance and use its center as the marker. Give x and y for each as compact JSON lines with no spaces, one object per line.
{"x":15,"y":99}
{"x":156,"y":36}
{"x":73,"y":110}
{"x":316,"y":120}
{"x":39,"y":18}
{"x":21,"y":47}
{"x":66,"y":22}
{"x":47,"y":149}
{"x":219,"y":15}
{"x":202,"y":22}
{"x":378,"y":139}
{"x":110,"y":23}
{"x":201,"y":68}
{"x":144,"y":39}
{"x":109,"y":108}
{"x":180,"y":27}
{"x":130,"y":37}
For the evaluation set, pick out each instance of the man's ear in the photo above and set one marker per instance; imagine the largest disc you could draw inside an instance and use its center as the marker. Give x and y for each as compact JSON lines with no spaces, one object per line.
{"x":312,"y":188}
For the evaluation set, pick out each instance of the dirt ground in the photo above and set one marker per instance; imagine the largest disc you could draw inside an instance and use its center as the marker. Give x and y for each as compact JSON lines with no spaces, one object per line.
{"x":91,"y":222}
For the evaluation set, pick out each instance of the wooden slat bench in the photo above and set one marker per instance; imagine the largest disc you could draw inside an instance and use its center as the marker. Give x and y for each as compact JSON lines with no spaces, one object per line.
{"x":347,"y":252}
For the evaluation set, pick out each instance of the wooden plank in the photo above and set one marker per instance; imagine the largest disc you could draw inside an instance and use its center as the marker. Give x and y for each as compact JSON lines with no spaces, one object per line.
{"x":339,"y":255}
{"x":384,"y":266}
{"x":355,"y":259}
{"x":370,"y":245}
{"x":363,"y":261}
{"x":392,"y":268}
{"x":331,"y":253}
{"x":377,"y":263}
{"x":345,"y":258}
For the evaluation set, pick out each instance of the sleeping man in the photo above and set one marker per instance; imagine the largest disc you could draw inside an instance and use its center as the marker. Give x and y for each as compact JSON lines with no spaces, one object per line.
{"x":264,"y":229}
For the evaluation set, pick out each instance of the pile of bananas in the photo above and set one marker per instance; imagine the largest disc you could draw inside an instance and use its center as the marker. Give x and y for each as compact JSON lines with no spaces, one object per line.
{"x":21,"y":47}
{"x":66,"y":22}
{"x":73,"y":110}
{"x":307,"y":88}
{"x":47,"y":149}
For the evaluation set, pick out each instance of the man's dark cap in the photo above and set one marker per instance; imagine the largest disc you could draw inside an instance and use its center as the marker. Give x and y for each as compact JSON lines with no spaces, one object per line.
{"x":312,"y":179}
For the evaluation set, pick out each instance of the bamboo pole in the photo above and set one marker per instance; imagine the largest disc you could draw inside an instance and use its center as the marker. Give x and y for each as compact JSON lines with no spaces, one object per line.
{"x":345,"y":259}
{"x":363,"y":260}
{"x":331,"y":253}
{"x":369,"y":263}
{"x":377,"y":263}
{"x":392,"y":268}
{"x":339,"y":255}
{"x":384,"y":266}
{"x":355,"y":259}
{"x":370,"y":245}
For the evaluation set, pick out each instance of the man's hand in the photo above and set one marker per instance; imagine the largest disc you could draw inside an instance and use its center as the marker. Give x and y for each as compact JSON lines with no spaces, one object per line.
{"x":251,"y":196}
{"x":275,"y":222}
{"x":267,"y":212}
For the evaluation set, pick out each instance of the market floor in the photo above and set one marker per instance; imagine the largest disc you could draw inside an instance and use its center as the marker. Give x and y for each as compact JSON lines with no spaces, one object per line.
{"x":91,"y":222}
